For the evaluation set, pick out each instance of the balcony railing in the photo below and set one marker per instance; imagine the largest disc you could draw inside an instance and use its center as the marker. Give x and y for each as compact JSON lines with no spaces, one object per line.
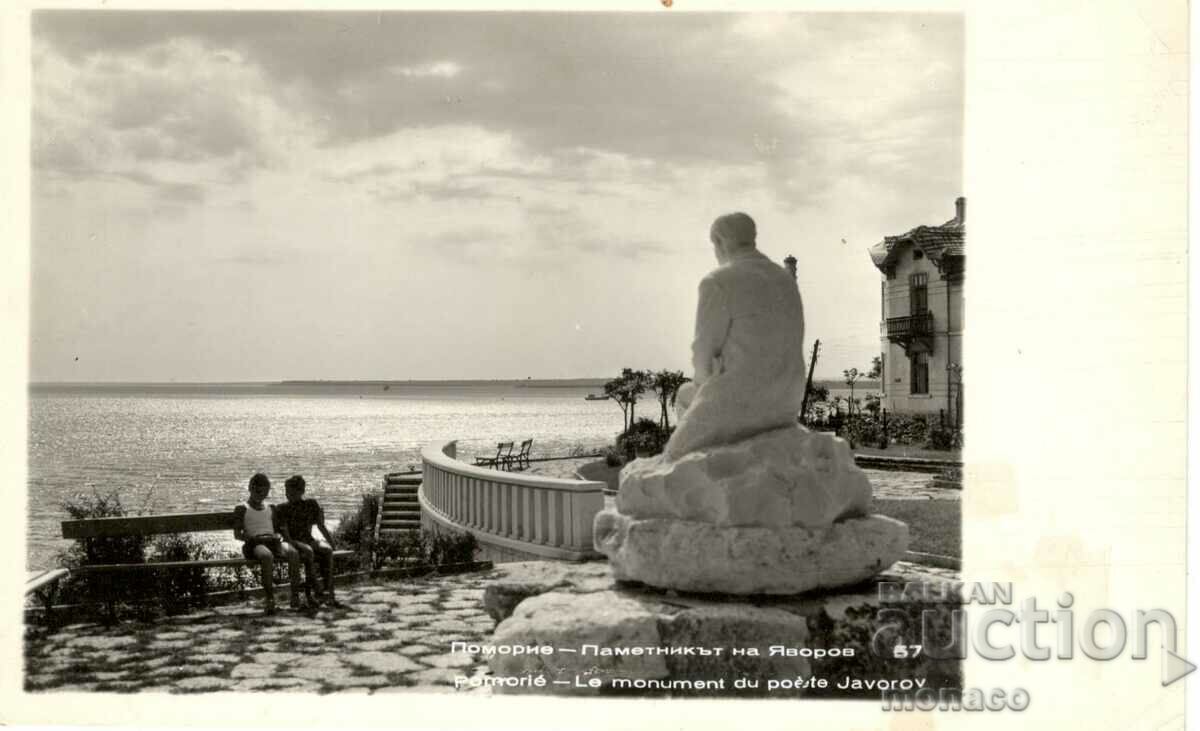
{"x":913,"y":326}
{"x":543,"y":516}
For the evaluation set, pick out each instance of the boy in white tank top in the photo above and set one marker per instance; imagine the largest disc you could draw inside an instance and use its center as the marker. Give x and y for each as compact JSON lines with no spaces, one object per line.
{"x":254,"y":525}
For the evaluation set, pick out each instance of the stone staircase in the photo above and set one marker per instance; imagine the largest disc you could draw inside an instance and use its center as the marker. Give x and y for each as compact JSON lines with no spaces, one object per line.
{"x":400,"y":511}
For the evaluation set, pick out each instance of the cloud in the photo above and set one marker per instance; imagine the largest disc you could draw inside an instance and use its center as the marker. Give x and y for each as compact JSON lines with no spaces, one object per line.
{"x":442,"y":69}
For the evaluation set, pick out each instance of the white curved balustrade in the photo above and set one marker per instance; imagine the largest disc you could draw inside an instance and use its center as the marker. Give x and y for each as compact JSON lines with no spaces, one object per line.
{"x":529,"y":514}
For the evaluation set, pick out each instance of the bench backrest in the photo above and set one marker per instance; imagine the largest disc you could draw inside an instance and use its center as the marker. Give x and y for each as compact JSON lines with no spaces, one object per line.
{"x":525,"y":446}
{"x":148,"y":525}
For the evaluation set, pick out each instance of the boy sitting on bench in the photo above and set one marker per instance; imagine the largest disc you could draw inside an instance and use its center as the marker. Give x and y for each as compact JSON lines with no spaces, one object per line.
{"x":254,"y":524}
{"x":296,"y":519}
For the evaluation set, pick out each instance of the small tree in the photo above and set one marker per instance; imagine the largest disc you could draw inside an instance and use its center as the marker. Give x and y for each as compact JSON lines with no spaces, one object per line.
{"x":876,"y":368}
{"x":625,"y":390}
{"x":666,"y":385}
{"x":852,"y":375}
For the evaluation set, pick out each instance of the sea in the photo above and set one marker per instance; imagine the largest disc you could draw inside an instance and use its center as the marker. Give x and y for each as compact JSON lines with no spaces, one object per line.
{"x":193,"y":447}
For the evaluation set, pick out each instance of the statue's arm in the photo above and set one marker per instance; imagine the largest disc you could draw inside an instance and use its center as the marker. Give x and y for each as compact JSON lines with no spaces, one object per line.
{"x":712,"y":327}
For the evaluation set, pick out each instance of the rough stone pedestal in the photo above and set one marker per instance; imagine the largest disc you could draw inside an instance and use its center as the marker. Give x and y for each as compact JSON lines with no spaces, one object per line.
{"x":700,"y":557}
{"x":582,"y":632}
{"x":781,"y":512}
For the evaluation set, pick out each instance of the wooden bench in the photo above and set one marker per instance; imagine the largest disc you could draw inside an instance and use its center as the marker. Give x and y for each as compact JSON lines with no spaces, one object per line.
{"x":148,"y":525}
{"x":44,"y":585}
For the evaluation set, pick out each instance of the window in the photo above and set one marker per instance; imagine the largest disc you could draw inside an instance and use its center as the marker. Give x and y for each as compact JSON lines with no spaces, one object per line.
{"x":918,"y":254}
{"x":919,"y":373}
{"x":918,"y":294}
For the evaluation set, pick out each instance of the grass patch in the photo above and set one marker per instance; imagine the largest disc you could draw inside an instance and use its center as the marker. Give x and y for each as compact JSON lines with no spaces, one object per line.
{"x":934,"y":526}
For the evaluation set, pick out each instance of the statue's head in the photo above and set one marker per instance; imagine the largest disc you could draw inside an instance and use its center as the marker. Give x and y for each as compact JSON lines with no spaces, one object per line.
{"x":731,"y":233}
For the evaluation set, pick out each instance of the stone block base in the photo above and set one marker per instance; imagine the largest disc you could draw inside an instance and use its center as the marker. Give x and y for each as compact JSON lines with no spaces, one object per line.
{"x":584,"y":633}
{"x":700,"y":557}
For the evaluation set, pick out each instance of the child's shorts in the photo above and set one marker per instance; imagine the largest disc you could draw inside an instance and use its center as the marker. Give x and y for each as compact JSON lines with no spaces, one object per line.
{"x":271,"y":542}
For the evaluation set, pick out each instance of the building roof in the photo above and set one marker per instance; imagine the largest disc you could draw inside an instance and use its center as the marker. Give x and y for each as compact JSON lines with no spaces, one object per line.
{"x":937,"y":242}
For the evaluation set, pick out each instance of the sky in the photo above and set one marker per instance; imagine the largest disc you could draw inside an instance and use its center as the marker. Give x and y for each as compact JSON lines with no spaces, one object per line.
{"x":416,"y":195}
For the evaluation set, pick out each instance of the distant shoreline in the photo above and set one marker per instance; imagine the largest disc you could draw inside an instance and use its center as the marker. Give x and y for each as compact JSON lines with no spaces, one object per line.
{"x":590,"y":383}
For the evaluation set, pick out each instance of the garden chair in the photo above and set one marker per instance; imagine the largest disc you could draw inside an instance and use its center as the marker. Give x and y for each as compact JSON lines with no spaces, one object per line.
{"x":500,"y":458}
{"x":521,"y":459}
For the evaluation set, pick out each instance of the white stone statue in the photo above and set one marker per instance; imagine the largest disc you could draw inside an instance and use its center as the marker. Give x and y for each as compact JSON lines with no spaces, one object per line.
{"x":744,"y":500}
{"x":748,"y":352}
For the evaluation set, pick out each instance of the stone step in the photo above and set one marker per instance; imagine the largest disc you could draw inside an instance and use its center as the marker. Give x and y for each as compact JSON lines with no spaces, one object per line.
{"x":401,"y":511}
{"x":401,"y":489}
{"x":397,"y":531}
{"x":394,"y":479}
{"x":406,"y":525}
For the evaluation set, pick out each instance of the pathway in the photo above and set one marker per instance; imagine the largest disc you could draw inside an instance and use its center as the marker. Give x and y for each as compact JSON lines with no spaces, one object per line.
{"x":392,"y":637}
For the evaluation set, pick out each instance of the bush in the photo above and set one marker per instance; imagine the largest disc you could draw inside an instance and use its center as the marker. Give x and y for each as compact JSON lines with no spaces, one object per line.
{"x":943,"y":437}
{"x":613,"y":457}
{"x":425,"y":548}
{"x":170,"y":590}
{"x":645,"y":435}
{"x":356,"y":529}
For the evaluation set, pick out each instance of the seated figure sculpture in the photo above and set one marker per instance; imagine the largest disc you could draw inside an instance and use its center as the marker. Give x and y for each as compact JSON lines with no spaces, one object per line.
{"x":743,"y":500}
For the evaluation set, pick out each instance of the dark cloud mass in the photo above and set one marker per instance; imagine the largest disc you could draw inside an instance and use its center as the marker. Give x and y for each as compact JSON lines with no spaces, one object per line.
{"x":676,"y":87}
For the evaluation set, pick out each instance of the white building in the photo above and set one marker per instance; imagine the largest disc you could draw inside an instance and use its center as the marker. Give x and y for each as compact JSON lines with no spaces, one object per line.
{"x":921,"y":317}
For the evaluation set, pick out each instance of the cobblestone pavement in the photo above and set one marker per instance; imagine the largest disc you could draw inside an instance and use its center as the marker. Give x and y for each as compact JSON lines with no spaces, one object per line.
{"x":392,"y":636}
{"x":888,"y":484}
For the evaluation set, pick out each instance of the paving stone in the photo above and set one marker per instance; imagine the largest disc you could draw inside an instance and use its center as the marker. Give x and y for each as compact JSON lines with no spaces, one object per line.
{"x":221,"y":657}
{"x":456,"y":660}
{"x":76,"y":688}
{"x":345,"y":636}
{"x":461,"y":604}
{"x":358,"y":681}
{"x":276,"y":658}
{"x":169,"y":645}
{"x":406,"y":635}
{"x":101,"y":643}
{"x":173,"y":635}
{"x":390,"y":689}
{"x":353,"y":622}
{"x":323,"y":660}
{"x":158,"y":662}
{"x":472,"y":612}
{"x":269,"y":683}
{"x":373,"y":607}
{"x":122,"y":686}
{"x":252,"y":670}
{"x":225,"y":634}
{"x":309,"y":672}
{"x":450,"y":625}
{"x":434,"y":676}
{"x":186,"y":669}
{"x":202,"y":683}
{"x":383,"y":662}
{"x":375,"y":645}
{"x":415,"y":650}
{"x":105,"y":676}
{"x":41,"y":679}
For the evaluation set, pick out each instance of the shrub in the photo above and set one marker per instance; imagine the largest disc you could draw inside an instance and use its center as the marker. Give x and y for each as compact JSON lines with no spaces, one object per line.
{"x":170,"y":590}
{"x":613,"y":457}
{"x":943,"y":437}
{"x":425,"y":548}
{"x":356,"y":529}
{"x":645,"y":435}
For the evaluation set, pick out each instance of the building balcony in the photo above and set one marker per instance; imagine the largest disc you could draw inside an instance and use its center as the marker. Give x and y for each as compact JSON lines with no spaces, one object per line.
{"x":912,"y":331}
